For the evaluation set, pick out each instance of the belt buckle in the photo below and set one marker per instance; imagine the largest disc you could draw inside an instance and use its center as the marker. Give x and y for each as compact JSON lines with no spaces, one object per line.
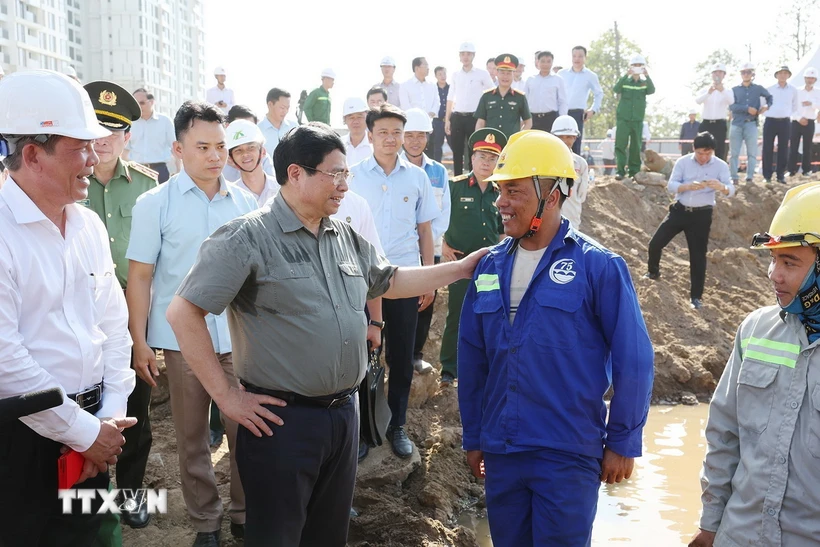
{"x":339,"y":401}
{"x":85,"y":398}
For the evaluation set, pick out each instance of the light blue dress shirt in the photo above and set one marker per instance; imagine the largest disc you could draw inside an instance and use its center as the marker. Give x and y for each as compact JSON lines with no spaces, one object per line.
{"x":169,"y":224}
{"x":273,"y":135}
{"x":151,"y":140}
{"x":400,"y":201}
{"x":546,"y":94}
{"x":579,"y":84}
{"x":687,"y":169}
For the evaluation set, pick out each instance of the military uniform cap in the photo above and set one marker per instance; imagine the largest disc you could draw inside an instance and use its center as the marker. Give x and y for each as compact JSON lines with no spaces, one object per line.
{"x":506,"y":60}
{"x":115,"y":107}
{"x":488,"y":139}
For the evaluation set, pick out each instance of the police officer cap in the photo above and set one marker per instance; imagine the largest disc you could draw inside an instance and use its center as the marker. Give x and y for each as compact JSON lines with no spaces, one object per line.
{"x":488,"y":139}
{"x":115,"y":107}
{"x":506,"y":61}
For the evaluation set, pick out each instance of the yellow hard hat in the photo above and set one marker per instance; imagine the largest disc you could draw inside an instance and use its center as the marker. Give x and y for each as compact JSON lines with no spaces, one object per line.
{"x":796,"y":222}
{"x":534,"y":153}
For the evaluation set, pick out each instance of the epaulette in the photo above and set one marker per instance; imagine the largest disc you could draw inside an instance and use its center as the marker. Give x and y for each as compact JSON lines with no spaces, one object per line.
{"x":461,"y":177}
{"x":517,"y":91}
{"x":140,"y":168}
{"x":490,"y":90}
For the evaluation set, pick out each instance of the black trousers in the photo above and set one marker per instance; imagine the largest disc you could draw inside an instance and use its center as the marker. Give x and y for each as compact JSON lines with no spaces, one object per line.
{"x":806,"y":134}
{"x":695,"y":225}
{"x":781,"y":129}
{"x":543,"y":120}
{"x":423,"y":324}
{"x":31,"y":514}
{"x":436,"y":141}
{"x":400,"y":318}
{"x":461,"y":127}
{"x":299,"y":482}
{"x":162,"y":169}
{"x":134,"y":458}
{"x":578,"y":115}
{"x":717,"y":128}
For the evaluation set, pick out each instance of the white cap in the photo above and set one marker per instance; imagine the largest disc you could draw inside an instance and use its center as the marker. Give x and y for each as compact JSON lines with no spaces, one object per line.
{"x":637,"y":59}
{"x":693,"y":111}
{"x":241,"y":132}
{"x":565,"y":125}
{"x":417,"y":120}
{"x":719,"y":66}
{"x":810,"y":72}
{"x":354,"y":105}
{"x":70,"y":71}
{"x":328,"y":73}
{"x":387,"y":60}
{"x":219,"y":71}
{"x":747,"y":66}
{"x":608,"y":132}
{"x":467,"y":46}
{"x":44,"y":102}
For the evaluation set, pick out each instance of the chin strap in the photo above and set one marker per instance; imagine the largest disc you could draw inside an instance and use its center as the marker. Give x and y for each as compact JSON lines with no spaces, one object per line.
{"x":248,"y":170}
{"x":535,"y":223}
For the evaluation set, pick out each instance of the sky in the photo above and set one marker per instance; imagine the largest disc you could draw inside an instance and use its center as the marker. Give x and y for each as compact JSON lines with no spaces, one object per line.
{"x":264,"y":43}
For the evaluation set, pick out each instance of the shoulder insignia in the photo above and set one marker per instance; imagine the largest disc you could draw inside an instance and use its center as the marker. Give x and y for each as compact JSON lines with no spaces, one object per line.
{"x":518,"y":91}
{"x":461,"y":177}
{"x":140,"y":168}
{"x":491,"y":90}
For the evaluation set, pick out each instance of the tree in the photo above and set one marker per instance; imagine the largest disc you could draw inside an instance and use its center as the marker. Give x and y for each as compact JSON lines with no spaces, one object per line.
{"x":664,"y":122}
{"x":800,"y":20}
{"x":703,"y":70}
{"x":608,"y":57}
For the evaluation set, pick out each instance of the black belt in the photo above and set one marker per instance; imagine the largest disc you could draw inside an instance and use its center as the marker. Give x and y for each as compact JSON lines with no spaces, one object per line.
{"x":462,"y":114}
{"x":778,"y":119}
{"x":329,"y":401}
{"x":88,"y":398}
{"x":688,"y":209}
{"x":715,"y":121}
{"x":542,"y":114}
{"x":575,"y":110}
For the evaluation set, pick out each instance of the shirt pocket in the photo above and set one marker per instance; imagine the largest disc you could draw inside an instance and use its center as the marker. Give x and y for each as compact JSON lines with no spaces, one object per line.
{"x":295,"y":289}
{"x":125,"y":225}
{"x":755,"y":395}
{"x":98,"y":287}
{"x":555,"y":322}
{"x":814,"y":422}
{"x":489,"y":309}
{"x":355,"y":285}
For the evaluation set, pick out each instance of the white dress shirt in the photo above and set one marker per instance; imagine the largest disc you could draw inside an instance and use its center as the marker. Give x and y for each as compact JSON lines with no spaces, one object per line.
{"x":268,"y":192}
{"x":519,"y":85}
{"x":358,"y":153}
{"x":715,"y":104}
{"x":809,"y":112}
{"x":214,"y":95}
{"x":466,"y":89}
{"x":546,"y":94}
{"x":355,"y":210}
{"x":63,"y":318}
{"x":415,"y":93}
{"x":784,"y":101}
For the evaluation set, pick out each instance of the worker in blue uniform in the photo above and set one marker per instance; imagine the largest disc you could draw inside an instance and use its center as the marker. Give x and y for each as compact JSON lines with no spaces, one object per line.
{"x":550,"y":322}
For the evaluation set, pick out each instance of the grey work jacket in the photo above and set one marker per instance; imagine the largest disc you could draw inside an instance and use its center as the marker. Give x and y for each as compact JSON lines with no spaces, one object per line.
{"x":761,"y":474}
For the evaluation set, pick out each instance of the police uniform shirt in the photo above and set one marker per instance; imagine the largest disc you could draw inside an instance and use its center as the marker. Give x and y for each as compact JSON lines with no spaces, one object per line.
{"x":113,"y":203}
{"x":474,"y":218}
{"x":503,"y":112}
{"x":295,"y":304}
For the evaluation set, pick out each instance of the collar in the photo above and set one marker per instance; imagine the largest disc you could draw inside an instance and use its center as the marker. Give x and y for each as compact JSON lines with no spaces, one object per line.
{"x":425,"y":161}
{"x":710,"y":162}
{"x":401,"y":163}
{"x":497,"y":90}
{"x":565,"y":232}
{"x":120,"y":170}
{"x":289,"y":222}
{"x":572,"y":69}
{"x":185,"y":183}
{"x":25,"y":211}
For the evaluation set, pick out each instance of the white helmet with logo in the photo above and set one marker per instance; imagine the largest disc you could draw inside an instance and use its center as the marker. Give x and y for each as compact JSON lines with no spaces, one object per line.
{"x":637,"y":59}
{"x":241,"y":132}
{"x":810,"y":72}
{"x":43,"y":102}
{"x":747,"y":66}
{"x":418,"y":120}
{"x":719,"y":67}
{"x":565,"y":125}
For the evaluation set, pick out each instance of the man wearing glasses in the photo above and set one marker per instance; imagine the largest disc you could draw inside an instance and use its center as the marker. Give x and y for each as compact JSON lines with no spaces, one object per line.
{"x":152,"y":137}
{"x":295,"y":283}
{"x":745,"y":112}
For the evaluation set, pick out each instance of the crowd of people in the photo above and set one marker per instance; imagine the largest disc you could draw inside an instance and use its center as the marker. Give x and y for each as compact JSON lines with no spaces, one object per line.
{"x":264,"y":259}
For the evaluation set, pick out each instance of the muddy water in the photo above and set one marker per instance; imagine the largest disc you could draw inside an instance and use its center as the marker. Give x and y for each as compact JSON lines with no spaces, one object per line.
{"x":660,"y":504}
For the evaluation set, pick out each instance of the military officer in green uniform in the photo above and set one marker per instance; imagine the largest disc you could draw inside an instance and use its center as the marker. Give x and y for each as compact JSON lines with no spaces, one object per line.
{"x":317,"y":105}
{"x":474,"y":223}
{"x":503,"y":107}
{"x":115,"y":186}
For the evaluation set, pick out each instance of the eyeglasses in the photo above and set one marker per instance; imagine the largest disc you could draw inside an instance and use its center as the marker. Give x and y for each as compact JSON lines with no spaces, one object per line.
{"x":339,"y":177}
{"x":746,"y":71}
{"x":766,"y":239}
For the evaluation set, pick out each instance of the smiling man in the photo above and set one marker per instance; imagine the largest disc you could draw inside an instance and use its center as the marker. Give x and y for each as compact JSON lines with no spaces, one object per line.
{"x":246,"y":149}
{"x":169,"y":224}
{"x":550,"y":323}
{"x":760,"y":474}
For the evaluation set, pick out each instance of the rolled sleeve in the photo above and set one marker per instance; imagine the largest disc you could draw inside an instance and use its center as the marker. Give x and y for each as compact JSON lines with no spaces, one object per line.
{"x":426,"y":207}
{"x":146,"y":230}
{"x":378,"y":268}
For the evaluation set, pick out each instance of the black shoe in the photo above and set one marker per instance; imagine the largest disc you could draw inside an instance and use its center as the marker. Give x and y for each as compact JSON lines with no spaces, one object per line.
{"x":135,"y":510}
{"x":652,"y":276}
{"x":781,"y":180}
{"x":402,"y":445}
{"x":696,"y":304}
{"x":363,"y":450}
{"x":237,"y":530}
{"x":768,"y":180}
{"x":216,"y":438}
{"x":447,"y":379}
{"x":619,"y":177}
{"x":749,"y":181}
{"x":207,"y":539}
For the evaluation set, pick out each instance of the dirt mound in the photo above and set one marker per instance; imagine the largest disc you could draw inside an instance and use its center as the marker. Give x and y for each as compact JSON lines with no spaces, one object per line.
{"x":416,"y":503}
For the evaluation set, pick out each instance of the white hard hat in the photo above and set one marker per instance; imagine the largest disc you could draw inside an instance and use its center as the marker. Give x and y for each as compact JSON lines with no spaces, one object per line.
{"x":418,"y":120}
{"x":328,"y":73}
{"x":70,"y":72}
{"x":219,"y":71}
{"x":637,"y":59}
{"x":810,"y":72}
{"x":608,"y":132}
{"x":387,"y":60}
{"x":693,"y":111}
{"x":43,"y":102}
{"x":565,"y":125}
{"x":719,"y":66}
{"x":747,"y":66}
{"x":241,"y":132}
{"x":354,"y":105}
{"x":467,"y":46}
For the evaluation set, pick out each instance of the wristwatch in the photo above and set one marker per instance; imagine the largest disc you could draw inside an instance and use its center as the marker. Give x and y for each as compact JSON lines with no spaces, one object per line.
{"x":379,"y":324}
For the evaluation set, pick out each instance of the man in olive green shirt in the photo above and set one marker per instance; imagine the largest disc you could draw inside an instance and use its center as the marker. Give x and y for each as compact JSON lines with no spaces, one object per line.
{"x":474,"y":223}
{"x":503,"y":107}
{"x":317,"y":105}
{"x":115,"y":186}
